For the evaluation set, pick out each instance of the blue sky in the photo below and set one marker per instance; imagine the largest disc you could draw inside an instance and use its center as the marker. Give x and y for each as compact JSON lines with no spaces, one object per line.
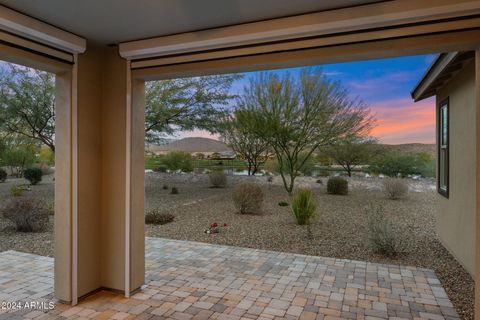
{"x":385,"y":86}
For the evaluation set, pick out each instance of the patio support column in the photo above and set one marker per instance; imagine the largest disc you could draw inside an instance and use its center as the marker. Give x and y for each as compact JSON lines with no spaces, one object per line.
{"x":137,"y":184}
{"x":106,"y":247}
{"x":122,"y":217}
{"x":477,"y":224}
{"x":64,"y":193}
{"x":114,"y":170}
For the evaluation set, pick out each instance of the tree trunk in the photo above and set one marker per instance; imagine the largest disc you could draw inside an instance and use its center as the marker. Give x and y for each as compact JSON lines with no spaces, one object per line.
{"x":249,"y":168}
{"x":288,"y":185}
{"x":255,"y":168}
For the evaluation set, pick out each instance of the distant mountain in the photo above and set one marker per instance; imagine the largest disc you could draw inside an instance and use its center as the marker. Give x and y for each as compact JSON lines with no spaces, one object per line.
{"x":412,"y":148}
{"x":206,"y":145}
{"x":191,"y":145}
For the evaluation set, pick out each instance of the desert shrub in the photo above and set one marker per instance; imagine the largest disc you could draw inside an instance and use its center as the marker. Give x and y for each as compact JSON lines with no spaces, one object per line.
{"x":3,"y":175}
{"x":160,"y":168}
{"x":218,"y":179}
{"x":395,"y":164}
{"x":156,"y":217}
{"x":395,"y":188}
{"x":248,"y":197}
{"x":381,"y":236}
{"x":29,"y":215}
{"x":165,"y":187}
{"x":47,"y":156}
{"x":283,"y":204}
{"x":18,"y":158}
{"x":174,"y":190}
{"x":337,"y":185}
{"x":303,"y":206}
{"x":33,"y":175}
{"x":17,"y":191}
{"x":178,"y":161}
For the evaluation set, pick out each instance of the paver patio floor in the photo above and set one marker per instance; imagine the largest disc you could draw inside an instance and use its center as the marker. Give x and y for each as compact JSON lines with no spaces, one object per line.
{"x":191,"y":280}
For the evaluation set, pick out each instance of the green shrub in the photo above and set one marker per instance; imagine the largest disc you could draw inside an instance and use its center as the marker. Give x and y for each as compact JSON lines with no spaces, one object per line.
{"x":34,"y":175}
{"x":283,"y":204}
{"x":160,"y":168}
{"x":218,"y":179}
{"x":395,"y":164}
{"x":19,"y":157}
{"x":248,"y":197}
{"x":156,"y":217}
{"x":395,"y":188}
{"x":337,"y":185}
{"x":47,"y":156}
{"x":303,"y":206}
{"x":174,"y":190}
{"x":381,"y":236}
{"x":3,"y":175}
{"x":165,"y":187}
{"x":152,"y":161}
{"x":29,"y":215}
{"x":17,"y":191}
{"x":178,"y":161}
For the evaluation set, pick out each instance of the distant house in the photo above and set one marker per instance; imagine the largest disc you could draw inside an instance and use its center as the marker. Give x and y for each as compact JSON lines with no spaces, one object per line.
{"x":200,"y":147}
{"x":451,"y":79}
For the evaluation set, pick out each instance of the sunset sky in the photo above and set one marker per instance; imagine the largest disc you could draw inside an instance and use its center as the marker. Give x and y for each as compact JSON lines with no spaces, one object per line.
{"x":385,"y":86}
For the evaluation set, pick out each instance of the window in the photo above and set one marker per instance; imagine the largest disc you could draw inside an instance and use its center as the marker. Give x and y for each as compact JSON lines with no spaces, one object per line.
{"x":442,"y":145}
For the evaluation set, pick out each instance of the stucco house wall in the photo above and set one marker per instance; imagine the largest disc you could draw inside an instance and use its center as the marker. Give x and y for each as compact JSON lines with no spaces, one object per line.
{"x":456,"y":214}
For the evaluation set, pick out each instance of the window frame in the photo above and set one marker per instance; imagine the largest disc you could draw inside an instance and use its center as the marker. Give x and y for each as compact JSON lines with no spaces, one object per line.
{"x":440,"y":189}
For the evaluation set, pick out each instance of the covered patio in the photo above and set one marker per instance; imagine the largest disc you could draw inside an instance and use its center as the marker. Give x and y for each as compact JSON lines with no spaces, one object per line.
{"x":102,"y":53}
{"x":192,"y":280}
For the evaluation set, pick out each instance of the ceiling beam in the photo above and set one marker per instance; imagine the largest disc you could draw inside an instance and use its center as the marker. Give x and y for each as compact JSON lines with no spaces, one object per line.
{"x":422,"y":44}
{"x":371,"y":16}
{"x":33,"y":29}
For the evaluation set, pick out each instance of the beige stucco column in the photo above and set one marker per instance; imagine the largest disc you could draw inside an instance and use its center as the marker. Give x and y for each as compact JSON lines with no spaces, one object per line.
{"x":477,"y":228}
{"x":106,"y":246}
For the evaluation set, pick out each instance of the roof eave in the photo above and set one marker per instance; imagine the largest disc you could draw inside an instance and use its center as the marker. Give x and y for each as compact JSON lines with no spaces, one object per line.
{"x":442,"y":70}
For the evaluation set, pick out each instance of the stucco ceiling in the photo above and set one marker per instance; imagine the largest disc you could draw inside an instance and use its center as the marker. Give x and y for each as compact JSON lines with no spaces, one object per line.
{"x":114,"y":21}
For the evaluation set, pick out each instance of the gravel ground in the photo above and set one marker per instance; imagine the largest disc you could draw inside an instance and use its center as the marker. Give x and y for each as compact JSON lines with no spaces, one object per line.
{"x":339,"y":230}
{"x":38,"y":242}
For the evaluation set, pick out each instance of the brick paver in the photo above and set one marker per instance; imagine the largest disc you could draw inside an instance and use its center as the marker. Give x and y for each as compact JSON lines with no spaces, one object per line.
{"x":191,"y":280}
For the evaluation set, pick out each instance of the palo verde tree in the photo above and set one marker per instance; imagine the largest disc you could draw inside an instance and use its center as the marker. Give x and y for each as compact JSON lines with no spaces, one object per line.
{"x":299,"y":115}
{"x":27,"y":103}
{"x":352,"y":152}
{"x":246,"y":144}
{"x":186,"y":104}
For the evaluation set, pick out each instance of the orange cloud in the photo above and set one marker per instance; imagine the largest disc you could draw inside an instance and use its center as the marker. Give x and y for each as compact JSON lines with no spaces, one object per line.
{"x":398,"y":121}
{"x":403,"y":121}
